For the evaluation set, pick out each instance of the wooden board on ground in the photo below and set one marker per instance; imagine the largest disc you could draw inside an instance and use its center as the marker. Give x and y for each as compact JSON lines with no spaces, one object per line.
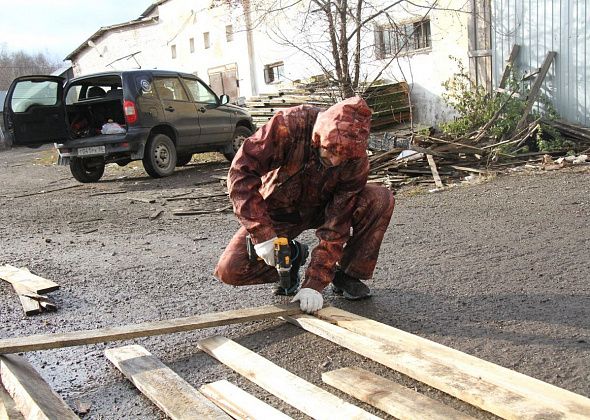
{"x":146,"y":329}
{"x":27,"y":279}
{"x":394,"y":399}
{"x":304,"y":396}
{"x":172,"y":394}
{"x":238,"y":403}
{"x":30,"y":306}
{"x":525,"y":386}
{"x":8,"y":410}
{"x":32,"y":395}
{"x":496,"y":398}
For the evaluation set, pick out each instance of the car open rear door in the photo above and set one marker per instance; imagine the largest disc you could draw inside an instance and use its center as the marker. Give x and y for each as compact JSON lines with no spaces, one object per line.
{"x":34,"y":111}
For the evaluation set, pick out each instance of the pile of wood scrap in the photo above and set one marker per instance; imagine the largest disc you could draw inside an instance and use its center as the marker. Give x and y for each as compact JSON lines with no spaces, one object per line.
{"x":576,"y":133}
{"x":30,"y":289}
{"x":389,"y":101}
{"x":475,"y":382}
{"x":441,"y":160}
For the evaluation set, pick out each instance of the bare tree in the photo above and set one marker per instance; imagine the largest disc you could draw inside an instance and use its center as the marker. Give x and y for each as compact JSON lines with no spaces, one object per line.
{"x":21,"y":63}
{"x":340,"y":36}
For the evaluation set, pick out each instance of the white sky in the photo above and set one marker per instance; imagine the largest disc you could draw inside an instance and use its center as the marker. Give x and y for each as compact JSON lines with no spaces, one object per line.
{"x":57,"y":27}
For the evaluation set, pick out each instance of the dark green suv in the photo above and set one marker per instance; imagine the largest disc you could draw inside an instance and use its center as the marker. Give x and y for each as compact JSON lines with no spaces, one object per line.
{"x":160,"y":117}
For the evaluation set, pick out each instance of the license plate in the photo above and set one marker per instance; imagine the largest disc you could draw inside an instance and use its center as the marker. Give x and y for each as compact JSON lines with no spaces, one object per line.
{"x":94,"y":150}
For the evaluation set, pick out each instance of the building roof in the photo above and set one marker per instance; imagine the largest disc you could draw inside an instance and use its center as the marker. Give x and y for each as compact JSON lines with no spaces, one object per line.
{"x":105,"y":29}
{"x":151,"y":8}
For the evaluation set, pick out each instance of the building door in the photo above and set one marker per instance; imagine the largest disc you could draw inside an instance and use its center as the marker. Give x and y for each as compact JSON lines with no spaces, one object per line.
{"x":224,"y":80}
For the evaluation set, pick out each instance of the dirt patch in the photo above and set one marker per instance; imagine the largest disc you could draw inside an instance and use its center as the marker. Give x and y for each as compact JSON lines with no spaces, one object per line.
{"x":498,"y":270}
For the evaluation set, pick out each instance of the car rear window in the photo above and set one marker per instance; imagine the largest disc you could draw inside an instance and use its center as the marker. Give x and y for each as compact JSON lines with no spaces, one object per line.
{"x":28,"y":93}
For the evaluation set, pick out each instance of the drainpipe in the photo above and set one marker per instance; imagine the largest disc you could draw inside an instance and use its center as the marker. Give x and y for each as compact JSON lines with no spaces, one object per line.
{"x":250,"y":42}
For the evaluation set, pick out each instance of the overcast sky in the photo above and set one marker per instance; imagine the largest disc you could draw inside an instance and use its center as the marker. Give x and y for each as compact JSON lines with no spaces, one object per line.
{"x":59,"y":26}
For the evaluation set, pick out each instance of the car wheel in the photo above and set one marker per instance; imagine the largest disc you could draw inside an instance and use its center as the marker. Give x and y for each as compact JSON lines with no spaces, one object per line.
{"x":87,"y":169}
{"x":159,"y":158}
{"x":241,"y":134}
{"x":182,"y":160}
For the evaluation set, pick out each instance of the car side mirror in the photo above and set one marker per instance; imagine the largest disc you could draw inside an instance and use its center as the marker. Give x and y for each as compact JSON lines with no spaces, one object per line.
{"x":224,"y":99}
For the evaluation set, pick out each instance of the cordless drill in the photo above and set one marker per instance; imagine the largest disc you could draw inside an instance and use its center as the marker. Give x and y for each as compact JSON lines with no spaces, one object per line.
{"x":282,"y":252}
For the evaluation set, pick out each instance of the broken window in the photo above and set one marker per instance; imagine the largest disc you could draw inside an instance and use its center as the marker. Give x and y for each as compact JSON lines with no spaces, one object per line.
{"x":229,"y":33}
{"x":274,"y":72}
{"x":206,"y":42}
{"x":173,"y":50}
{"x":191,"y":43}
{"x":402,"y":39}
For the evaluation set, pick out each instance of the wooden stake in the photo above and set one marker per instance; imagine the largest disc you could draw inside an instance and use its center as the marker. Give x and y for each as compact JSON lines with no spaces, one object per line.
{"x":31,"y":394}
{"x":172,"y":394}
{"x":8,"y":410}
{"x":146,"y":329}
{"x":304,"y":396}
{"x":238,"y":403}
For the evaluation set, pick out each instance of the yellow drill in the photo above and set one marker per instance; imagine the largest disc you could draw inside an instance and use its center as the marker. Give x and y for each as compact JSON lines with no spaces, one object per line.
{"x":282,"y":251}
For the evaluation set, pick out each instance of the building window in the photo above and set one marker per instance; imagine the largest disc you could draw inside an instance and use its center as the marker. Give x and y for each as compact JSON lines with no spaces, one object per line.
{"x":274,"y":72}
{"x":173,"y":50}
{"x":191,"y":43}
{"x":229,"y":33}
{"x":206,"y":42}
{"x":402,"y":39}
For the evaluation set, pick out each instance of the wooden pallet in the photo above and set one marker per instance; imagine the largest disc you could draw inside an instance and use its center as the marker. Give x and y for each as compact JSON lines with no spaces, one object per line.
{"x":501,"y":391}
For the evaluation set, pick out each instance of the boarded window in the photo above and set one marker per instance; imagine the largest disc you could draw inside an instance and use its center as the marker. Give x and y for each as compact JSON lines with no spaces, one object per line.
{"x":274,"y":72}
{"x":402,"y":39}
{"x":191,"y":43}
{"x":229,"y":33}
{"x":173,"y":50}
{"x":206,"y":42}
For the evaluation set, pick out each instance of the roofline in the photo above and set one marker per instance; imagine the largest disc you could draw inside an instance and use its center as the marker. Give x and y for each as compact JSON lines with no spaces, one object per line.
{"x":151,"y":8}
{"x":103,"y":29}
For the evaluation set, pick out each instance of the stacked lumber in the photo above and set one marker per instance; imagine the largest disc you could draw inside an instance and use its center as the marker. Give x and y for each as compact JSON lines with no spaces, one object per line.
{"x":390,"y":102}
{"x":30,"y":288}
{"x":484,"y":385}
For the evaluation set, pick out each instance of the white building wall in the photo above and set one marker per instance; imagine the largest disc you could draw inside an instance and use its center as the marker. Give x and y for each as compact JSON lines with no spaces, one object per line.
{"x":180,"y":20}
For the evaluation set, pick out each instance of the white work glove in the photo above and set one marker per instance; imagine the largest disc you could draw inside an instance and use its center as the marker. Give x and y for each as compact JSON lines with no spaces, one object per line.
{"x":310,"y":300}
{"x":265,"y":250}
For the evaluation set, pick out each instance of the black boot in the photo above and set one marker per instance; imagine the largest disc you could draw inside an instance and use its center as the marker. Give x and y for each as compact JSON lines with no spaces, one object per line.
{"x":350,"y":287}
{"x":299,"y":253}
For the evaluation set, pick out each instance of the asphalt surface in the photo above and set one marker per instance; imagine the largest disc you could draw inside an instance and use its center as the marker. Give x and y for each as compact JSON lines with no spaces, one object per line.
{"x":497,"y":269}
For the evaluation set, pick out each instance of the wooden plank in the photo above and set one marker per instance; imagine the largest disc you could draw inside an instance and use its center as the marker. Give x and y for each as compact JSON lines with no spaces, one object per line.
{"x":146,"y":329}
{"x":172,"y":394}
{"x":461,"y":362}
{"x":434,"y":171}
{"x":509,"y":65}
{"x":388,"y":396}
{"x":32,"y":395}
{"x":536,"y":88}
{"x":304,"y":396}
{"x":238,"y":403}
{"x":498,"y":398}
{"x":8,"y":410}
{"x":30,"y":306}
{"x":31,"y":281}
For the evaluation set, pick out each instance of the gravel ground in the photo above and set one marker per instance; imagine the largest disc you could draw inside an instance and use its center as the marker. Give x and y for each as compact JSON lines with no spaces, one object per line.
{"x":497,"y":269}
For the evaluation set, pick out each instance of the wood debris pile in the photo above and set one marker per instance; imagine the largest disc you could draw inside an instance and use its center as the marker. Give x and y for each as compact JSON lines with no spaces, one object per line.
{"x":434,"y":158}
{"x":390,"y":102}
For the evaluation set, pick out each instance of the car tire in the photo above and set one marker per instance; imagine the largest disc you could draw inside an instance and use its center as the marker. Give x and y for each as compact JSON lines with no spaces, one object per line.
{"x":87,"y":169}
{"x":159,"y":159}
{"x":241,"y":134}
{"x":182,"y":160}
